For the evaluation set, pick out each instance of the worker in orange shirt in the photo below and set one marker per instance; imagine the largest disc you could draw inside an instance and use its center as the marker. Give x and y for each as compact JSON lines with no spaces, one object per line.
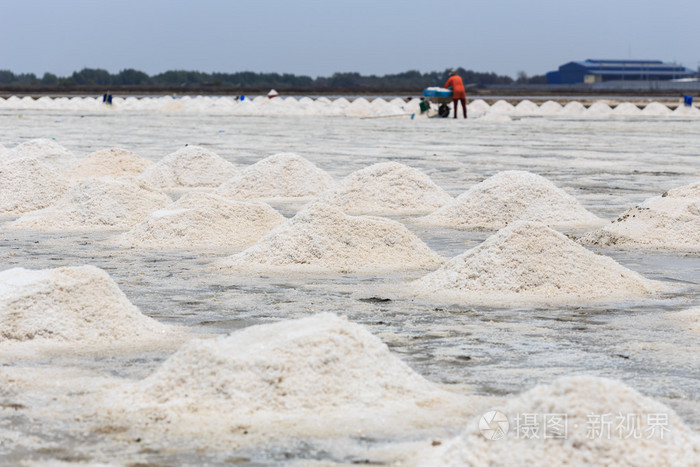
{"x":458,"y":93}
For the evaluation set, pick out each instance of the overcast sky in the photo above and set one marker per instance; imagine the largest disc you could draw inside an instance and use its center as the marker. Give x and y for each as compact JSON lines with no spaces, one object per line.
{"x":318,"y":38}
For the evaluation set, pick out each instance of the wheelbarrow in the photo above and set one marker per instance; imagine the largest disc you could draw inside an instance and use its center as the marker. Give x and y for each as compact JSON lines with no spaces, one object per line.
{"x":441,"y":97}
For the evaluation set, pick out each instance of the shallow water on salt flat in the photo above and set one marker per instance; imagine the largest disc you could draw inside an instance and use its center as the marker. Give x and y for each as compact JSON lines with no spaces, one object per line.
{"x":608,"y":165}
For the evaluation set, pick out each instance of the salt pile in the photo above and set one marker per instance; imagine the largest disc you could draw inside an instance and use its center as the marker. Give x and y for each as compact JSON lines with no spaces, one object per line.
{"x":550,"y":108}
{"x":322,"y":238}
{"x":599,"y":109}
{"x":510,"y":196}
{"x":317,"y":376}
{"x":573,"y":108}
{"x":502,"y":107}
{"x":284,"y":175}
{"x":189,"y":167}
{"x":96,"y":204}
{"x":656,"y":109}
{"x":387,"y":188}
{"x":526,"y":107}
{"x":670,"y":221}
{"x":69,"y":305}
{"x":627,"y":109}
{"x":113,"y":162}
{"x":26,"y":184}
{"x":203,"y":220}
{"x":602,"y":422}
{"x":45,"y":151}
{"x":527,"y":262}
{"x":477,"y":107}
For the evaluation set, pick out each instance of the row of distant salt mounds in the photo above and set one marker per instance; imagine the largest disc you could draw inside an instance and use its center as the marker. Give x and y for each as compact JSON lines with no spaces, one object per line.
{"x":321,"y":376}
{"x":69,"y":305}
{"x":359,"y":107}
{"x":670,"y":221}
{"x":650,"y":433}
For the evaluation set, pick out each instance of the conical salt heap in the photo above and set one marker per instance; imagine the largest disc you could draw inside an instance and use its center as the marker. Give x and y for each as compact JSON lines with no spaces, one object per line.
{"x":510,"y":196}
{"x":203,"y":220}
{"x":318,"y":376}
{"x":45,"y":151}
{"x":322,"y":238}
{"x":26,"y":185}
{"x":387,"y":188}
{"x":284,"y":175}
{"x":527,"y":262}
{"x":69,"y":305}
{"x":581,"y":420}
{"x":187,"y":168}
{"x":113,"y":162}
{"x":670,"y":221}
{"x":96,"y":204}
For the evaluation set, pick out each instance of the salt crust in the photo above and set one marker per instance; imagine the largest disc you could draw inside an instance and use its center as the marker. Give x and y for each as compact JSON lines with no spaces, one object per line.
{"x":96,"y":204}
{"x":527,"y":262}
{"x":284,"y":175}
{"x":45,"y":151}
{"x":322,"y":238}
{"x":27,"y":184}
{"x":510,"y":196}
{"x":318,"y":376}
{"x":69,"y":305}
{"x":581,"y":399}
{"x":669,"y":222}
{"x":189,"y":167}
{"x":688,"y":319}
{"x":203,"y":220}
{"x":113,"y":162}
{"x":387,"y":188}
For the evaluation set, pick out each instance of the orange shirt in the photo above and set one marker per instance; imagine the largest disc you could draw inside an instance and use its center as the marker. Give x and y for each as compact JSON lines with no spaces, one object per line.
{"x":455,"y":82}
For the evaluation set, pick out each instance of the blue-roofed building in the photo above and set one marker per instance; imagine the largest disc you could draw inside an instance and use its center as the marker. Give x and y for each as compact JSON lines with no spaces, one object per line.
{"x":596,"y":71}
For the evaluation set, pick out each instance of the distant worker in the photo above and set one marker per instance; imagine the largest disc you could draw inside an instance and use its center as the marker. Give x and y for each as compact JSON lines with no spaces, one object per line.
{"x":458,"y":92}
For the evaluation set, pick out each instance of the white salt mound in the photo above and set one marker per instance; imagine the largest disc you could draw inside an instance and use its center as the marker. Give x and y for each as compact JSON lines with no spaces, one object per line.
{"x":642,"y":430}
{"x":387,"y":188}
{"x":189,"y":167}
{"x":45,"y":151}
{"x":26,"y":184}
{"x":317,"y":376}
{"x":510,"y":196}
{"x":527,"y":262}
{"x":284,"y":175}
{"x":322,"y":238}
{"x":203,"y":220}
{"x":96,"y":204}
{"x":113,"y":162}
{"x":69,"y":305}
{"x":669,"y":222}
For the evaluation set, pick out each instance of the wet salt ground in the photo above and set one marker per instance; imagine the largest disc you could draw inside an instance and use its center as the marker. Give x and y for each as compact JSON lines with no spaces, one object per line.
{"x":608,"y":165}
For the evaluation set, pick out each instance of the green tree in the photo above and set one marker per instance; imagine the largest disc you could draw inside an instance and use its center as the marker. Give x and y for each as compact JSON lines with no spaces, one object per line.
{"x":49,"y":79}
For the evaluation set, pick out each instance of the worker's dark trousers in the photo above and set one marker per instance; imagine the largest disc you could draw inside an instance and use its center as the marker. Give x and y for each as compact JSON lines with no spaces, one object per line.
{"x":464,"y":106}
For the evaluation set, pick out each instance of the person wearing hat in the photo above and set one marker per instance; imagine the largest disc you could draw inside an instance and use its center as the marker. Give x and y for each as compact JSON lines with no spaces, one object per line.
{"x":458,"y":92}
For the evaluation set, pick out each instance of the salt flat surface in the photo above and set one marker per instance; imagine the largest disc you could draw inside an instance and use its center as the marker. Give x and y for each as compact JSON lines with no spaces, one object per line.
{"x":608,"y":164}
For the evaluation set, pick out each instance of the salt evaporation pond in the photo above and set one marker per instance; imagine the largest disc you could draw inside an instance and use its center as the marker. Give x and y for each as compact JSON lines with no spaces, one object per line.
{"x":51,"y":399}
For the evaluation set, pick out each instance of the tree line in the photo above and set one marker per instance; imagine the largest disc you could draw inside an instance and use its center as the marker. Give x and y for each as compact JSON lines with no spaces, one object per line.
{"x":178,"y":78}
